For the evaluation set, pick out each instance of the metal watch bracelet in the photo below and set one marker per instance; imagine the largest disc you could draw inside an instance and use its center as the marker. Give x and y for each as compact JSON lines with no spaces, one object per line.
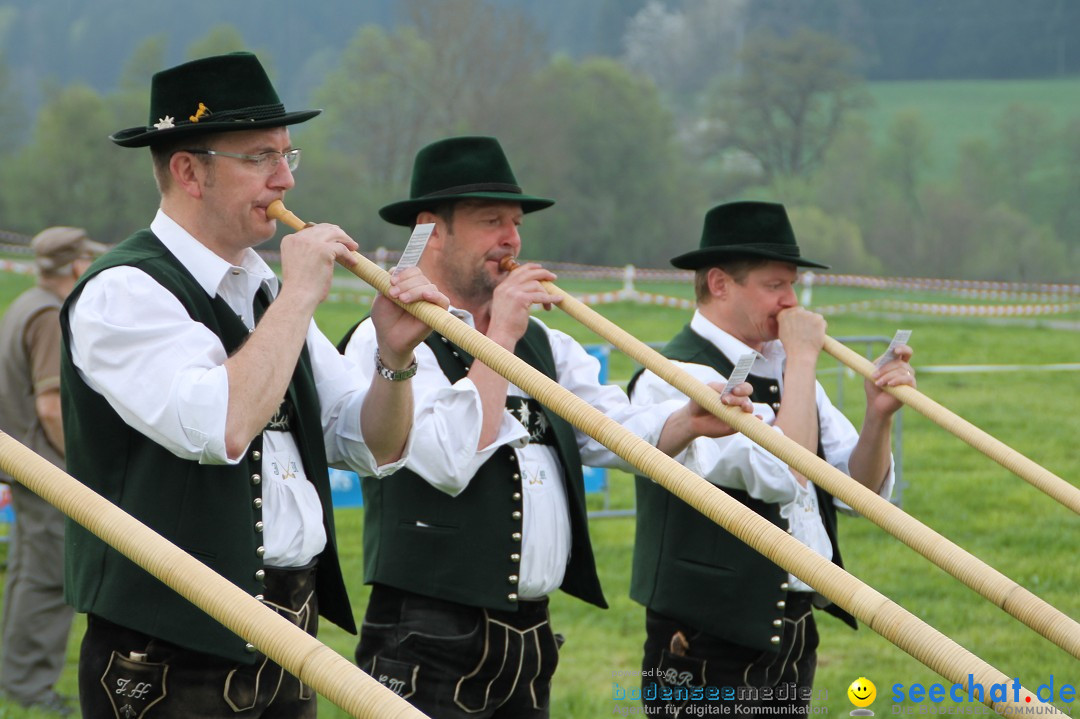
{"x":394,"y":375}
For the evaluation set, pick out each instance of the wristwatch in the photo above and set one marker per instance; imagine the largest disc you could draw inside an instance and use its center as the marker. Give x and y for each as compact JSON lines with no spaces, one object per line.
{"x":394,"y":375}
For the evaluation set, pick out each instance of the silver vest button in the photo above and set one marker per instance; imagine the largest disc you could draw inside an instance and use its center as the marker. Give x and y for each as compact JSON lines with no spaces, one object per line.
{"x":260,"y":551}
{"x":249,"y":648}
{"x":256,"y":455}
{"x":516,"y":536}
{"x":773,"y":388}
{"x":259,"y":526}
{"x":784,"y":586}
{"x":256,"y":479}
{"x":781,"y":604}
{"x":260,"y":575}
{"x":515,"y":515}
{"x":257,"y":503}
{"x":515,"y":557}
{"x":515,"y":476}
{"x":774,"y":640}
{"x":516,"y":496}
{"x":511,"y":597}
{"x":778,"y":623}
{"x":513,"y":579}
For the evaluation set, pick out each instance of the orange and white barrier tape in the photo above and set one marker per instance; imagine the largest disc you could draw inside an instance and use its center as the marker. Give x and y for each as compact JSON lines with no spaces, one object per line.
{"x":933,"y":284}
{"x":937,"y":309}
{"x":642,"y":298}
{"x":19,"y":268}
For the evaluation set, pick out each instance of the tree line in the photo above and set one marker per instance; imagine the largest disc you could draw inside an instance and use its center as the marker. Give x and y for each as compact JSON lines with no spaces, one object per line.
{"x":633,"y":148}
{"x":89,"y":40}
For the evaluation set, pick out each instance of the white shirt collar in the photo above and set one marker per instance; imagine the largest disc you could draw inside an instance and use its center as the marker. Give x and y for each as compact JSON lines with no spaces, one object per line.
{"x":209,"y":270}
{"x":463,"y":315}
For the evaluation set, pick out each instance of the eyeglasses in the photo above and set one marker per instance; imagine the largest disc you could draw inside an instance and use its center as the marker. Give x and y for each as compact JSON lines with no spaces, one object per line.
{"x":267,"y":162}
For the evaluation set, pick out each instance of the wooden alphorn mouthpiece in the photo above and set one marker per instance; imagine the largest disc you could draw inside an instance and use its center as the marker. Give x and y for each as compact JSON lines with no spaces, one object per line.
{"x":508,"y":264}
{"x":276,"y":210}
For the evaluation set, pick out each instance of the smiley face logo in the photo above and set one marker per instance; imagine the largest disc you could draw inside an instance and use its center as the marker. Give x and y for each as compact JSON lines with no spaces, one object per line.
{"x":862,"y":692}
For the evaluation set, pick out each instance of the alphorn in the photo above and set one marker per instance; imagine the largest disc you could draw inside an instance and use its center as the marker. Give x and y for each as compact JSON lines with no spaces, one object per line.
{"x":1005,"y":593}
{"x":890,"y":620}
{"x":304,"y":656}
{"x":1031,"y":472}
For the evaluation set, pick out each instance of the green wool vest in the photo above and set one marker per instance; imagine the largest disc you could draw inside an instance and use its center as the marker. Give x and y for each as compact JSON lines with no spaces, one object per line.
{"x":210,"y":511}
{"x":468,"y":548}
{"x":688,"y":568}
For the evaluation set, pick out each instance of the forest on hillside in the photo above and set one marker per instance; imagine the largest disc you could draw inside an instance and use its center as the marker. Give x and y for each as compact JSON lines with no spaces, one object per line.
{"x":88,"y":41}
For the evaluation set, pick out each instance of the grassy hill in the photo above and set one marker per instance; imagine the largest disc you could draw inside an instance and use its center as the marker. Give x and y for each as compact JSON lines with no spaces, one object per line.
{"x":957,"y":111}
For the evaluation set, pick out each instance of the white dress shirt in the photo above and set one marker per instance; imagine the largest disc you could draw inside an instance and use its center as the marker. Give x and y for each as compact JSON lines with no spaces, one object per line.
{"x":163,"y":373}
{"x":740,"y":463}
{"x":447,"y":423}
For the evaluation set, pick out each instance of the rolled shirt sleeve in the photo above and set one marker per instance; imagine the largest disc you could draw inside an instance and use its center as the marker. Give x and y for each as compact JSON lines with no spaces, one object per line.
{"x":447,"y":418}
{"x":579,"y":372}
{"x":838,"y":439}
{"x":164,"y":374}
{"x":737,"y":462}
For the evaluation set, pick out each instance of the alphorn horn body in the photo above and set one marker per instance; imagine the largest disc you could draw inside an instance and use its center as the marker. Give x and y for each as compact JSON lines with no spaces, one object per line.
{"x":1014,"y":599}
{"x":1023,"y":467}
{"x":304,"y":656}
{"x":877,"y":611}
{"x":1031,"y":472}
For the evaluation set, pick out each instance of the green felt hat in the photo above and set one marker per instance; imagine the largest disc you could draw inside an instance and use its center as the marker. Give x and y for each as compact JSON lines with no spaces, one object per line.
{"x":460,"y":168}
{"x":222,"y":93}
{"x":745,"y":229}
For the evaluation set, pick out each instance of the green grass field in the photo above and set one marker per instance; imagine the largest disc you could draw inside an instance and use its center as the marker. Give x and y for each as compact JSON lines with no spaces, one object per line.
{"x":950,"y":487}
{"x":958,"y":111}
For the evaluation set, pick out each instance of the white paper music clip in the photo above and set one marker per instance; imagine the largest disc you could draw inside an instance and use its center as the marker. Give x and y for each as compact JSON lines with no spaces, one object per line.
{"x":900,"y":338}
{"x":411,"y":254}
{"x":738,"y":375}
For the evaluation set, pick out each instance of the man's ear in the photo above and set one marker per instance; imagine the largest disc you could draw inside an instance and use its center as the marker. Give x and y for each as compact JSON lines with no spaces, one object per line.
{"x":188,"y":173}
{"x":438,"y":234}
{"x":719,"y":282}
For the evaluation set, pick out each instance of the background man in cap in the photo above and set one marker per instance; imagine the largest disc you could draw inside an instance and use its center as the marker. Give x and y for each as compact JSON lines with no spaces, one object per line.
{"x":210,"y":412}
{"x":488,"y":517}
{"x":718,"y":611}
{"x":36,"y":621}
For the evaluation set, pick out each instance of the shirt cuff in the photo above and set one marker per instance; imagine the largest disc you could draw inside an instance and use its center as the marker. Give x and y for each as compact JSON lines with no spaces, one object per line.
{"x":199,"y":412}
{"x":351,"y":451}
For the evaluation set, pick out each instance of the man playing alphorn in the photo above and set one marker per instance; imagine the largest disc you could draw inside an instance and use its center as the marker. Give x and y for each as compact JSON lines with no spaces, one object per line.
{"x":201,"y":398}
{"x":465,"y":544}
{"x":718,"y":614}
